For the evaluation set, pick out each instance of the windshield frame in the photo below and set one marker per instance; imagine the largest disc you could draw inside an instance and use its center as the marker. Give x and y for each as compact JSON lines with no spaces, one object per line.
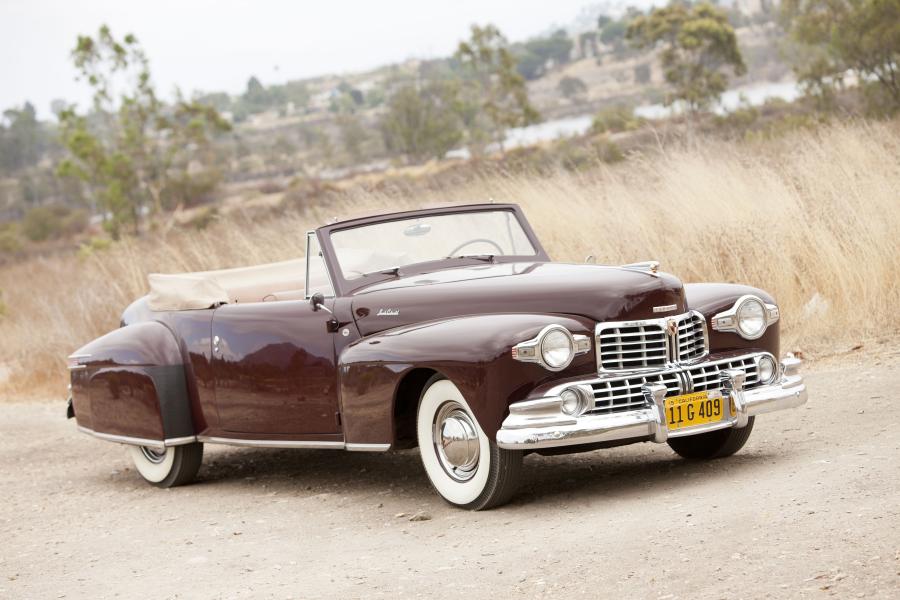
{"x":346,"y":287}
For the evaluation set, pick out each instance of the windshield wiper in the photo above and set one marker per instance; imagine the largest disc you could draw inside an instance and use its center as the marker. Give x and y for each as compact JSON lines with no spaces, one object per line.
{"x":485,"y":257}
{"x":395,"y":271}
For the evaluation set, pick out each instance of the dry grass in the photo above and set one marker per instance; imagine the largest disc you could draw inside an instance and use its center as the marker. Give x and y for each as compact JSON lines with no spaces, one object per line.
{"x":814,"y":218}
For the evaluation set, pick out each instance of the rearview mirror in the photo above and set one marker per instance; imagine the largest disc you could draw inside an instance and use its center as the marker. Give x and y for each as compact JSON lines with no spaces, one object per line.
{"x":417,"y":230}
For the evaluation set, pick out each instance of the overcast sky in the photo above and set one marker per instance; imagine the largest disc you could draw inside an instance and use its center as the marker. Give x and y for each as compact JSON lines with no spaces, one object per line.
{"x":216,"y":45}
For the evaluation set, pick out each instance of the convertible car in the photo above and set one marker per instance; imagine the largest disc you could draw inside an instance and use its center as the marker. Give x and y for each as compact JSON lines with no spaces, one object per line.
{"x":449,"y":329}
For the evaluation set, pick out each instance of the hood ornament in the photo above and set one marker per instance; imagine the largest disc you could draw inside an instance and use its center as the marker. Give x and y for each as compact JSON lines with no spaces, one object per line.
{"x":648,"y":266}
{"x":672,"y":327}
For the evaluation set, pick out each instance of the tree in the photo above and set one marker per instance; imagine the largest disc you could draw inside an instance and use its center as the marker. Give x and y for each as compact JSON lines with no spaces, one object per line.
{"x":572,"y":88}
{"x":23,"y":139}
{"x":422,"y":122}
{"x":533,"y":56}
{"x":493,"y":86}
{"x":698,"y":44}
{"x":642,"y":73}
{"x":353,"y":134}
{"x":862,"y":36}
{"x":133,"y":152}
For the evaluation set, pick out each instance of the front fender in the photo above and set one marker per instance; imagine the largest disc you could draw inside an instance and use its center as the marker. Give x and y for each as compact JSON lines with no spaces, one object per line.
{"x":473,"y":352}
{"x":131,"y":384}
{"x":713,"y":298}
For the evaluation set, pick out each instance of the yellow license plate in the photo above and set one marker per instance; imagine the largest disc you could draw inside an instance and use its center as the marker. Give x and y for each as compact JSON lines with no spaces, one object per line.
{"x":694,"y":409}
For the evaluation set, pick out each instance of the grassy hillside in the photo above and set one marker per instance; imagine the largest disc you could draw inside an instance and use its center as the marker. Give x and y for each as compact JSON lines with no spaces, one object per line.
{"x":813,"y":217}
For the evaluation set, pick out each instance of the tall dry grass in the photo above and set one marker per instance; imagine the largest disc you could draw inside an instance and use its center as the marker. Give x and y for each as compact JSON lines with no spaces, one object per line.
{"x":814,"y":218}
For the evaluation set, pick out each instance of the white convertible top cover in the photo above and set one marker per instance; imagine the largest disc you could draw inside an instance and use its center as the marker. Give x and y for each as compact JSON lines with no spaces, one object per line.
{"x":185,"y":291}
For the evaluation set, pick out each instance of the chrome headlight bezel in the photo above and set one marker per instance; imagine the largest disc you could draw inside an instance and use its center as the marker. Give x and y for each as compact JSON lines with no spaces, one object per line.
{"x":767,"y":359}
{"x":533,"y":350}
{"x":729,"y":320}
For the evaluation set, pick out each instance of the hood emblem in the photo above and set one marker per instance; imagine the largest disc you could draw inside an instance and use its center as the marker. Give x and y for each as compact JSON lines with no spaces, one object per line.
{"x":388,"y":312}
{"x":664,"y":308}
{"x":672,"y":327}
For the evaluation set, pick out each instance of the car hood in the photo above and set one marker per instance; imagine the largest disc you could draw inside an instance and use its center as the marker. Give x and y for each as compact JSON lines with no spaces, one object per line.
{"x":601,"y":293}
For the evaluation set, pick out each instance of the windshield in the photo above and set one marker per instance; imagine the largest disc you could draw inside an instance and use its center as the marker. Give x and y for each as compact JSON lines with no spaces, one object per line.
{"x":386,"y":246}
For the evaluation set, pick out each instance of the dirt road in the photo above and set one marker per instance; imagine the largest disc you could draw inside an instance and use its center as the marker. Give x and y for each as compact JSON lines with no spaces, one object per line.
{"x":809,"y":509}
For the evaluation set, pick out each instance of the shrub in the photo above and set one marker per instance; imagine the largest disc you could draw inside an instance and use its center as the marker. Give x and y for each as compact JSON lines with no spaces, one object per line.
{"x":10,"y":243}
{"x":48,"y":222}
{"x":93,"y":245}
{"x":41,"y":223}
{"x":615,"y":119}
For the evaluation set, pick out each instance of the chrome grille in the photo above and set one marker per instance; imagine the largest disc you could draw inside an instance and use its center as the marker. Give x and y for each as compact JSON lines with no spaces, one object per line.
{"x":620,"y":395}
{"x":708,"y":376}
{"x":690,"y":341}
{"x":626,"y":347}
{"x":652,"y":343}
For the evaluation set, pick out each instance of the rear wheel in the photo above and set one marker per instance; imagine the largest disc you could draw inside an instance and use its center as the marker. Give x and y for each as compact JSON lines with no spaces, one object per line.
{"x":465,"y":467}
{"x":169,"y":467}
{"x":715,"y":444}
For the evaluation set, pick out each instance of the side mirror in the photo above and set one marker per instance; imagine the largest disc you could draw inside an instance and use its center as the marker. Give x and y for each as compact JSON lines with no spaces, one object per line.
{"x":317,"y":301}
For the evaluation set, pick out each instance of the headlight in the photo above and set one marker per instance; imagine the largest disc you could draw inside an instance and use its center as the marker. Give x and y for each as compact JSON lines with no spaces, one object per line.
{"x":749,"y":317}
{"x":553,"y":348}
{"x":572,"y":402}
{"x":557,"y":348}
{"x":766,"y":369}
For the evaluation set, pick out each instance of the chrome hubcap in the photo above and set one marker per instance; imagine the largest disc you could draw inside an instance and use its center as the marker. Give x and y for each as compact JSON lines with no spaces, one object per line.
{"x":154,"y":456}
{"x":456,"y":441}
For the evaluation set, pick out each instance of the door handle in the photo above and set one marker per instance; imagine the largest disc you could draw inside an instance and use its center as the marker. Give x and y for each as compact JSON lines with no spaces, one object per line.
{"x":216,"y":341}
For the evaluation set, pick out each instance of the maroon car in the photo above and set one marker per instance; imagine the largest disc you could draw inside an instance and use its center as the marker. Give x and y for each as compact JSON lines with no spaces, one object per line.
{"x":448,"y":329}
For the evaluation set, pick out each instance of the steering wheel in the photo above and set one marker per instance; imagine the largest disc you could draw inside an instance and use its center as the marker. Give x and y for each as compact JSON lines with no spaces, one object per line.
{"x":477,"y":241}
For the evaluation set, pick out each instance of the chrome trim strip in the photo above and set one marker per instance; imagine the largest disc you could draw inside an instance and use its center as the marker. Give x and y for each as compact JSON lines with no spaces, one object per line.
{"x":123,"y":439}
{"x":311,"y":444}
{"x":352,"y":447}
{"x":180,"y":441}
{"x":77,"y":367}
{"x":306,"y":294}
{"x":189,"y":439}
{"x":77,"y":356}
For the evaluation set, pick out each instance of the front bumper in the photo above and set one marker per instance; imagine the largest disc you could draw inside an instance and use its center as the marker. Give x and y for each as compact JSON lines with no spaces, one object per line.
{"x":536,"y":424}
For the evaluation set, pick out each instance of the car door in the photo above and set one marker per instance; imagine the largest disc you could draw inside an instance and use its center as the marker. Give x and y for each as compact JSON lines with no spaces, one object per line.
{"x":274,"y":369}
{"x":274,"y":362}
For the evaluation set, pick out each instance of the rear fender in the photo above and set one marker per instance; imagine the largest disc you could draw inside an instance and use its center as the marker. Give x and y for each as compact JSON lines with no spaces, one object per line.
{"x":130,"y":386}
{"x":473,"y":352}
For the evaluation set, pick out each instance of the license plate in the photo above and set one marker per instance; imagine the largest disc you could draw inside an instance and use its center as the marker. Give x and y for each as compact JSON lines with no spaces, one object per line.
{"x":694,"y":409}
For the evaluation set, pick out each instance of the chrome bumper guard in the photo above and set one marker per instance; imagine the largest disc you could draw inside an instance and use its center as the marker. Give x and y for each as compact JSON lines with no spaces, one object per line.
{"x":540,"y":423}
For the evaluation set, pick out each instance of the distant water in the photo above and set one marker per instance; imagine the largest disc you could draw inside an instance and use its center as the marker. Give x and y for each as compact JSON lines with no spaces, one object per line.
{"x":753,"y":95}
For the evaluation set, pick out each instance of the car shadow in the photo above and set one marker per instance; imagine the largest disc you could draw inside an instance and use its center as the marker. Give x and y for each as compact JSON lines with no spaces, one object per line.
{"x":616,"y":473}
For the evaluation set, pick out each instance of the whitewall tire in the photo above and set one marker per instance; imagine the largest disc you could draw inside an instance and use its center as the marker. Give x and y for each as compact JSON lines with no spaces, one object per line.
{"x":175,"y":465}
{"x":465,"y":467}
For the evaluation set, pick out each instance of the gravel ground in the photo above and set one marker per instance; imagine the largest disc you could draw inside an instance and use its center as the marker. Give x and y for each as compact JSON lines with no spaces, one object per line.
{"x":809,"y":509}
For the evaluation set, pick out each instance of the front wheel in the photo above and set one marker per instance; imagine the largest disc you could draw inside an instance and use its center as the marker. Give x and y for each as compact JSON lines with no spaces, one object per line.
{"x":714,"y":444}
{"x":465,"y":467}
{"x":171,"y":466}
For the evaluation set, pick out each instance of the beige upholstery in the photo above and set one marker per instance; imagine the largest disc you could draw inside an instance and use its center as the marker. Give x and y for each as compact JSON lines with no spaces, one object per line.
{"x":275,"y":281}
